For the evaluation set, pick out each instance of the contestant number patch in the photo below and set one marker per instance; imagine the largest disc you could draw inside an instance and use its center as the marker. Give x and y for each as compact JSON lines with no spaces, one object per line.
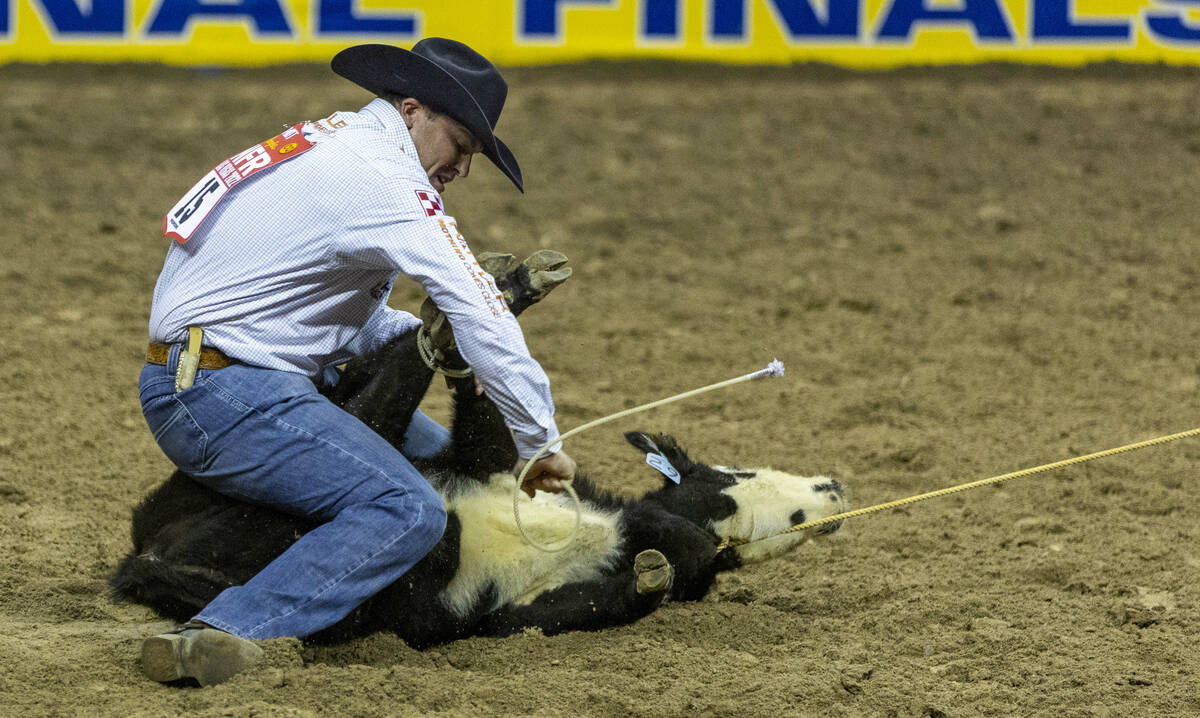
{"x":189,"y":212}
{"x":430,"y":202}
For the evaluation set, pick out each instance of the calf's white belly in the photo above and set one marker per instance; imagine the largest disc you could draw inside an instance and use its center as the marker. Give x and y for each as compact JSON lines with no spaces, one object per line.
{"x":492,"y":552}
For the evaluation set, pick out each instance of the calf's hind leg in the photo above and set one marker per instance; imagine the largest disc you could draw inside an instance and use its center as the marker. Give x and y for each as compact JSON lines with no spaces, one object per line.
{"x":615,"y":600}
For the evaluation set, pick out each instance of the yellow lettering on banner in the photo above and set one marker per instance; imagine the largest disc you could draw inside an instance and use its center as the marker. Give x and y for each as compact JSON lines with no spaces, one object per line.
{"x":851,"y":33}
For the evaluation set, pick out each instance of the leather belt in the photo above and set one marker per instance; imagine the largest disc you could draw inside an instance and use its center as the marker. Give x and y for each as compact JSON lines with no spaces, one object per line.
{"x":210,"y":358}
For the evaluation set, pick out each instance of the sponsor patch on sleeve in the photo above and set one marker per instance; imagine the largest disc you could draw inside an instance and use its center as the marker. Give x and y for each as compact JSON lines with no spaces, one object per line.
{"x":430,"y":202}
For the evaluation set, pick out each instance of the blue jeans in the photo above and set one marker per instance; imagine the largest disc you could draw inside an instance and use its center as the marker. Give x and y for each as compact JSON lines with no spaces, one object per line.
{"x":268,"y":437}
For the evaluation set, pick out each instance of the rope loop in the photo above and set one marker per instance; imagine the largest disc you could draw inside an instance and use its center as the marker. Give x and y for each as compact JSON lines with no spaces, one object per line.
{"x":434,"y":358}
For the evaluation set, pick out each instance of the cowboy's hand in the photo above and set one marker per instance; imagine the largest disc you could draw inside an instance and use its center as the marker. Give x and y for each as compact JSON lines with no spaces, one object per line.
{"x":550,"y":473}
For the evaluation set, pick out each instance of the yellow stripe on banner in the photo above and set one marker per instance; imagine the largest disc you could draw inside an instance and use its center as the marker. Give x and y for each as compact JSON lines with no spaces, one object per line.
{"x":973,"y":485}
{"x":851,"y":33}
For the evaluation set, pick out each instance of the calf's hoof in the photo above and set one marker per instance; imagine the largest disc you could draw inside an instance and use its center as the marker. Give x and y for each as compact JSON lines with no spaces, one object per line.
{"x":522,"y":284}
{"x":527,"y":282}
{"x":654,"y":572}
{"x":196,"y":651}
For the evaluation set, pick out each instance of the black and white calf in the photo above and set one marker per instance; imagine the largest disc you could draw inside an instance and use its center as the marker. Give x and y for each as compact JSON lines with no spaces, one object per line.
{"x":190,"y":543}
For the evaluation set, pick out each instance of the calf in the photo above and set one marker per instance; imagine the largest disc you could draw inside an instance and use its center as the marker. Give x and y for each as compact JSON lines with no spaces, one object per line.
{"x":190,"y":543}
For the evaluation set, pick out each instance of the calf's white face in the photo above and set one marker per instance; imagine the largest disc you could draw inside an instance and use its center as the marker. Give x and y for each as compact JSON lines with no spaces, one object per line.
{"x":769,"y":502}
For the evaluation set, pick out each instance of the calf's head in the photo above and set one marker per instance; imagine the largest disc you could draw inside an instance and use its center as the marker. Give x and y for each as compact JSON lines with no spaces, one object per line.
{"x":741,"y":504}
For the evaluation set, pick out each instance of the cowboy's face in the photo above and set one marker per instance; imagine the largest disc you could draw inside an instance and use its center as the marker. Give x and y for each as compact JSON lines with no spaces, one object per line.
{"x":444,"y":146}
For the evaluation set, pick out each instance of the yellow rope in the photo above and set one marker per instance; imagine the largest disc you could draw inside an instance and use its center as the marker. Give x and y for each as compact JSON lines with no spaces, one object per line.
{"x":972,"y":485}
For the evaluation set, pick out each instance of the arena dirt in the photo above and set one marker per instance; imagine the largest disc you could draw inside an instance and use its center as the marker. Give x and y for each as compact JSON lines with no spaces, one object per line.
{"x":966,"y":272}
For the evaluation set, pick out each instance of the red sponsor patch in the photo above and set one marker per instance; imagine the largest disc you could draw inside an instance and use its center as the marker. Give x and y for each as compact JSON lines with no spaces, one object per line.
{"x":430,"y":202}
{"x":188,"y":213}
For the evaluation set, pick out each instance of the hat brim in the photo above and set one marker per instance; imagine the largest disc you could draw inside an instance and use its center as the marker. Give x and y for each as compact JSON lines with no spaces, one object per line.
{"x":385,"y":69}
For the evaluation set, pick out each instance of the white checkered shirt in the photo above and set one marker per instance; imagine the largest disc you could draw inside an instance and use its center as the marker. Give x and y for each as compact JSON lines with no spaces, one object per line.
{"x":293,"y":268}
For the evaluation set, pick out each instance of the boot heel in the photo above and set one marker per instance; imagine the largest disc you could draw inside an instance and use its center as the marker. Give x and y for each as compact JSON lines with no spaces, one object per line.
{"x":206,"y":654}
{"x":162,"y":657}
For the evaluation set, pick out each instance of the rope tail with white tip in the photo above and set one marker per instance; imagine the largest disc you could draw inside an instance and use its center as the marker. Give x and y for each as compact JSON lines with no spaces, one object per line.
{"x":773,"y":369}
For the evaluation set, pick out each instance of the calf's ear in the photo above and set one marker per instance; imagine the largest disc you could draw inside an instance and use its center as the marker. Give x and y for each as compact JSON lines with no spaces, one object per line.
{"x":653,"y":443}
{"x":664,"y":444}
{"x":663,"y":453}
{"x":642,"y":442}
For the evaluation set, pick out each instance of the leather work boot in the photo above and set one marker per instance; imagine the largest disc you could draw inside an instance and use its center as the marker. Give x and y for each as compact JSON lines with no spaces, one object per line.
{"x":196,"y":650}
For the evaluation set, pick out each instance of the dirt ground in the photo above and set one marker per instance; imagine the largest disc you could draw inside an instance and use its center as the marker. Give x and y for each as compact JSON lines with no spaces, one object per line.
{"x":966,"y":272}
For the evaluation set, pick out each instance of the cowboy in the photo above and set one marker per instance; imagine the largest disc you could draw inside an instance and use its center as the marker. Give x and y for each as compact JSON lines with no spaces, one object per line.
{"x":280,"y":269}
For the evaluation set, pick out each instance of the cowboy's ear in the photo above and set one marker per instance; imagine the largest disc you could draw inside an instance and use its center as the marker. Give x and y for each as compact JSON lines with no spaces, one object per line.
{"x":408,"y":109}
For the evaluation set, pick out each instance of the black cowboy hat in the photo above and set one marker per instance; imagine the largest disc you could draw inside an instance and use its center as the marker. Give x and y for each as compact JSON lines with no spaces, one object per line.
{"x":447,"y":75}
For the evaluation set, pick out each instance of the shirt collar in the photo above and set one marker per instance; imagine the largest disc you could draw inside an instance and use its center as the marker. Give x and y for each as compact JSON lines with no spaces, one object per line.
{"x":393,"y":125}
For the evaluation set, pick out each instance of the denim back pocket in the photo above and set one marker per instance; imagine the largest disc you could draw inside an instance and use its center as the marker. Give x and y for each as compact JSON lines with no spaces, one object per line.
{"x":177,"y":433}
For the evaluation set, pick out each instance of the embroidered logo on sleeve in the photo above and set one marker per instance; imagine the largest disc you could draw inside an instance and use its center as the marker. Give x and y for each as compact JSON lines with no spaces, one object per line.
{"x":430,"y":202}
{"x":487,"y":286}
